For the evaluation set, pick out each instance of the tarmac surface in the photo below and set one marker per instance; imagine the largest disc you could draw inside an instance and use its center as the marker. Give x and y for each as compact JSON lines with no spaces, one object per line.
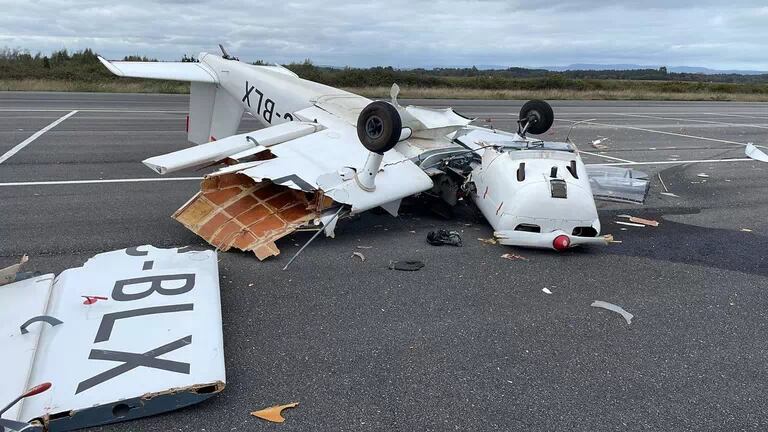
{"x":469,"y":342}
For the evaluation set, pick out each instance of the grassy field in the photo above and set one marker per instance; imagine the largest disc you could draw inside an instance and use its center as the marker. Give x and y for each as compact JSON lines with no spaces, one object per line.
{"x":633,"y":90}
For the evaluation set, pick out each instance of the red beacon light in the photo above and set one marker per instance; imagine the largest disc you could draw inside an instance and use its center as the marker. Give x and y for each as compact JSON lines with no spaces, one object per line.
{"x":561,"y":242}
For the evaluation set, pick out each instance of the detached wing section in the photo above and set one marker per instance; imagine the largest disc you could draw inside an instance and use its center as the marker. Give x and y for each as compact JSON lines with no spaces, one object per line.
{"x":285,"y":177}
{"x":178,"y":71}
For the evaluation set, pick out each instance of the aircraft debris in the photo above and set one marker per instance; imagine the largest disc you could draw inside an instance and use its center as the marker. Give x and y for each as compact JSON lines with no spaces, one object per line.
{"x":444,"y":237}
{"x":619,"y":184}
{"x":598,"y":143}
{"x":491,"y":240}
{"x":670,"y":194}
{"x":746,"y":230}
{"x":662,"y":183}
{"x":411,"y":265}
{"x":546,"y":291}
{"x":612,"y":307}
{"x":630,"y":224}
{"x":8,"y":274}
{"x":514,"y":257}
{"x":161,"y":300}
{"x":359,"y":255}
{"x":364,"y":247}
{"x":639,"y":220}
{"x":274,"y":413}
{"x":753,"y":152}
{"x":702,"y":175}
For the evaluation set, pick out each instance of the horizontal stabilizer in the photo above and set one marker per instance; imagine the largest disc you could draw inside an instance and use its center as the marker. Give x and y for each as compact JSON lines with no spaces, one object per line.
{"x":177,"y":71}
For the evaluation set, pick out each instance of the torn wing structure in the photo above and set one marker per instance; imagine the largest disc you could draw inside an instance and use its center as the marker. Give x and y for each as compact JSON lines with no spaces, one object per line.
{"x":288,"y":176}
{"x":131,"y":333}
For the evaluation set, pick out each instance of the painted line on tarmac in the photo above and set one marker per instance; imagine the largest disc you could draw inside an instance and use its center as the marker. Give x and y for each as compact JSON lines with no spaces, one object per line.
{"x":99,"y":181}
{"x":680,"y":162}
{"x":659,"y":132}
{"x":693,"y":120}
{"x":35,"y":136}
{"x":740,"y":116}
{"x":604,"y":156}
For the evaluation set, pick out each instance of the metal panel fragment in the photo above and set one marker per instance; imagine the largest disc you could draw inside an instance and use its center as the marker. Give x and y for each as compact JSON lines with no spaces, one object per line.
{"x":158,"y":346}
{"x":233,"y":210}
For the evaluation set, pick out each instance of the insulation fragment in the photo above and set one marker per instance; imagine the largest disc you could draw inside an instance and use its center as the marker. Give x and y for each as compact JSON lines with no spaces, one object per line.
{"x":8,"y":274}
{"x":233,"y":210}
{"x":274,"y":414}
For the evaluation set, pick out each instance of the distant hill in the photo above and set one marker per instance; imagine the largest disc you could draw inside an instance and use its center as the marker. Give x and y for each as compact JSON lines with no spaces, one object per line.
{"x":675,"y":69}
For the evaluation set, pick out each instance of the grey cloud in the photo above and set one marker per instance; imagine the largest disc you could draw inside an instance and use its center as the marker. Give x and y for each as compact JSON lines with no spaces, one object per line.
{"x":403,"y":32}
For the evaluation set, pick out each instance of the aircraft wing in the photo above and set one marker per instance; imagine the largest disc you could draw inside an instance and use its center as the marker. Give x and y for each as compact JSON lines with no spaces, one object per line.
{"x":131,"y":333}
{"x":178,"y":71}
{"x":285,"y":177}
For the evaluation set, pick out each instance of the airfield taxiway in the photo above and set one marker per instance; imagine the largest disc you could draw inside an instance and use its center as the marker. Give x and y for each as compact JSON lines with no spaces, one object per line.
{"x":469,"y":342}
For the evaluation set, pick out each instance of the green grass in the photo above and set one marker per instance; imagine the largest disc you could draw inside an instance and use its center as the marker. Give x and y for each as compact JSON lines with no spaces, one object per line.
{"x":600,"y":90}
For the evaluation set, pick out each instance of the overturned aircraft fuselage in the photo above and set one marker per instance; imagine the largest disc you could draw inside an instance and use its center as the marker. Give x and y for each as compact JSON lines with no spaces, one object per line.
{"x":326,"y":153}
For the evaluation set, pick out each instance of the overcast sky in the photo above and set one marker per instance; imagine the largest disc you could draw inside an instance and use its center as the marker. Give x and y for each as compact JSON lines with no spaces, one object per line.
{"x":404,"y":33}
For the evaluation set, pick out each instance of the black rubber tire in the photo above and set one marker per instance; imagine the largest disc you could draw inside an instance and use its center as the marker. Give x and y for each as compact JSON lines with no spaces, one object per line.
{"x":379,"y":127}
{"x":540,"y":113}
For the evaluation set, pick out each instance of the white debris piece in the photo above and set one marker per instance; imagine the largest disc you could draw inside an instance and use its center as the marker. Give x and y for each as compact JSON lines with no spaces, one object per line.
{"x":612,"y":307}
{"x":546,"y":291}
{"x":755,"y":153}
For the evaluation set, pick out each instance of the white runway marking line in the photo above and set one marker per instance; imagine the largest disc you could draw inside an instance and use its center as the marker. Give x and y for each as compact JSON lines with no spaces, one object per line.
{"x":605,"y":156}
{"x":80,"y":182}
{"x":740,"y":116}
{"x":679,"y":162}
{"x":694,"y":120}
{"x":660,"y":132}
{"x":35,"y":136}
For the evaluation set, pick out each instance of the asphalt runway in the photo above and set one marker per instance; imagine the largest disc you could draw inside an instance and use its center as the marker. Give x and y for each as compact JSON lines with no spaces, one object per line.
{"x":469,"y":342}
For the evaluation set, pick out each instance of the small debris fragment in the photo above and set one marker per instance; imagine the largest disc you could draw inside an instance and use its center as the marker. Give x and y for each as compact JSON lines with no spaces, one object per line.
{"x":444,"y":237}
{"x":702,"y":175}
{"x":629,"y":224}
{"x":746,"y":230}
{"x":647,"y":222}
{"x":8,"y":274}
{"x":546,"y":291}
{"x":755,"y":153}
{"x":598,"y":144}
{"x":663,"y":184}
{"x":612,"y":307}
{"x":489,"y":240}
{"x":274,"y":414}
{"x":670,"y":194}
{"x":514,"y":257}
{"x":359,"y":255}
{"x":365,"y":247}
{"x":406,"y":265}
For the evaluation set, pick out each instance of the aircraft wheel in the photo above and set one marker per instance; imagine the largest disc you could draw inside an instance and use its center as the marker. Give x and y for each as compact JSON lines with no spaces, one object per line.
{"x":379,"y":127}
{"x":540,"y":114}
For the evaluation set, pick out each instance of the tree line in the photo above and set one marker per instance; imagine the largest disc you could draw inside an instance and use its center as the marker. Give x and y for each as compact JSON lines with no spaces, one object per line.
{"x":84,"y":66}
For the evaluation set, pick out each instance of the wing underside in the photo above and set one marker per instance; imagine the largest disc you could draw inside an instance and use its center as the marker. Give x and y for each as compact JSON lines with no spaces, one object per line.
{"x":285,"y":177}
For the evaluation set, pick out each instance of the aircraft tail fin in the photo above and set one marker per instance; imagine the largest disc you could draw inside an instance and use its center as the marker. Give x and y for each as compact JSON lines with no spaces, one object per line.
{"x":213,"y":112}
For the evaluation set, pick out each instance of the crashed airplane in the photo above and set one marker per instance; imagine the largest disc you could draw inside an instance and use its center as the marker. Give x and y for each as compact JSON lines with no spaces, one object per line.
{"x":326,"y":154}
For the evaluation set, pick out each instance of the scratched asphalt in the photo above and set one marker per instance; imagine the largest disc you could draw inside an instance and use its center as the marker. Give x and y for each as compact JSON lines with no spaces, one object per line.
{"x":469,"y":342}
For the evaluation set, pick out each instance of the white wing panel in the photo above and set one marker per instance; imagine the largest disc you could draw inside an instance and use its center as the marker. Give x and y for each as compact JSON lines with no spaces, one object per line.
{"x":177,"y":71}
